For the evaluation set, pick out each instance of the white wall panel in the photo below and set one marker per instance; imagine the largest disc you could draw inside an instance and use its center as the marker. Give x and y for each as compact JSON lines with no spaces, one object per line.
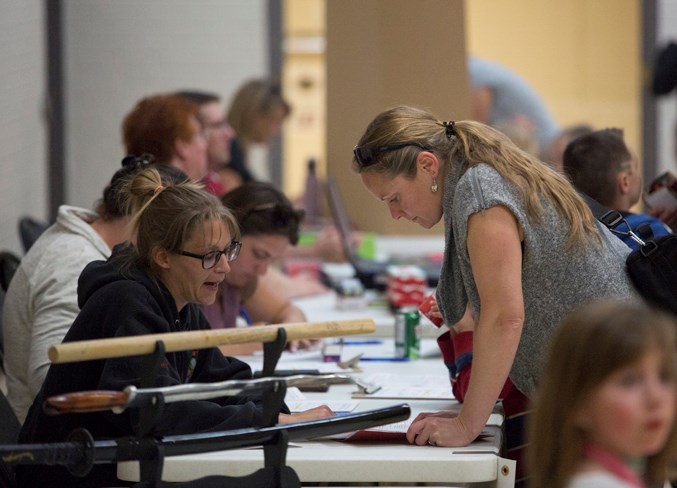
{"x":666,"y":109}
{"x":23,"y":170}
{"x":117,"y":51}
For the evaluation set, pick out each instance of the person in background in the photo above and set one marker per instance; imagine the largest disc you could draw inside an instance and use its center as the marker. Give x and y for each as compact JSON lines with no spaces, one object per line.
{"x":183,"y":241}
{"x":559,"y":144}
{"x":167,"y":127}
{"x":269,"y":226}
{"x":663,"y":83}
{"x":501,"y":96}
{"x":220,"y":140}
{"x":604,"y":414}
{"x":522,"y":133}
{"x":224,"y":158}
{"x":601,"y":165}
{"x":522,"y":247}
{"x":41,"y":302}
{"x":256,"y":113}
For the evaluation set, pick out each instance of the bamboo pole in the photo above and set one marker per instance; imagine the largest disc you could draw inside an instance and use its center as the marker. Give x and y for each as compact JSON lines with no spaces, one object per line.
{"x":201,"y":339}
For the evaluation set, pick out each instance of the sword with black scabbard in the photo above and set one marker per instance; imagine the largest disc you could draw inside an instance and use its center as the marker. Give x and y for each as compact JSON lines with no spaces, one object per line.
{"x":133,"y":397}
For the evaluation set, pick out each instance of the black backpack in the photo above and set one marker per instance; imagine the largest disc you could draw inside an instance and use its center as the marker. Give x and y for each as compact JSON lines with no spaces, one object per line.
{"x":653,"y":267}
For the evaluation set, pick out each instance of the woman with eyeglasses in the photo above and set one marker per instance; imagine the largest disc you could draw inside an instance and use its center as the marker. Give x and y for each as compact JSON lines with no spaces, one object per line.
{"x":184,"y":240}
{"x":522,"y":248}
{"x":269,"y":226}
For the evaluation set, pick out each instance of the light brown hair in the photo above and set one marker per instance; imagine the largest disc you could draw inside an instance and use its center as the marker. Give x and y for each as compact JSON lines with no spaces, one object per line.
{"x":474,"y":143}
{"x":165,"y":215}
{"x":253,"y":99}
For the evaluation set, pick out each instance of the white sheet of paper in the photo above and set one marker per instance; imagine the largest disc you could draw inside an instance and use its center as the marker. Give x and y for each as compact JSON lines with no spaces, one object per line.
{"x":336,"y":405}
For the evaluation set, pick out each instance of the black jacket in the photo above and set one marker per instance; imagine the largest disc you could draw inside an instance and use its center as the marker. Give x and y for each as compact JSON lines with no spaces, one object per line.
{"x":113,"y":305}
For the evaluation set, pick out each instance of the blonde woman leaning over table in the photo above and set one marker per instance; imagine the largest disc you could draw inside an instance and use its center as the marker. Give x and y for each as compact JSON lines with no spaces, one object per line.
{"x":605,"y":409}
{"x":521,"y":247}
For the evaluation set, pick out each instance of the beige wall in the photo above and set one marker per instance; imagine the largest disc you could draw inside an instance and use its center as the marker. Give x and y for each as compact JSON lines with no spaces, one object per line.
{"x":381,"y":54}
{"x":582,"y":56}
{"x":304,"y":82}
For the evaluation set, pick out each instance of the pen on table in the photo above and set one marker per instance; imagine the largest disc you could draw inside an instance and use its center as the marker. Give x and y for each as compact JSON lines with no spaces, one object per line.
{"x":357,"y":342}
{"x":245,"y":316}
{"x":385,"y":359}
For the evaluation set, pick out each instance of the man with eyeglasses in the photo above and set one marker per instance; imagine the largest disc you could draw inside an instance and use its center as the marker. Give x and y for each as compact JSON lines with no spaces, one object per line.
{"x":224,"y":156}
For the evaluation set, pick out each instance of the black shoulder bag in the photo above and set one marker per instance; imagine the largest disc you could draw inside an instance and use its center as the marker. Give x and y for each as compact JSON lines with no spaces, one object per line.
{"x":653,"y":267}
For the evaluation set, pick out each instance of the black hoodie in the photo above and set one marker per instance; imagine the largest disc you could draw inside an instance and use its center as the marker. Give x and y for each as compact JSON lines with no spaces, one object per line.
{"x":113,"y":305}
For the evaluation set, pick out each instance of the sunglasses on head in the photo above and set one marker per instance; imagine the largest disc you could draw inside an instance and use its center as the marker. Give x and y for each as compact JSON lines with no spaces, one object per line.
{"x":133,"y":162}
{"x":367,"y":155}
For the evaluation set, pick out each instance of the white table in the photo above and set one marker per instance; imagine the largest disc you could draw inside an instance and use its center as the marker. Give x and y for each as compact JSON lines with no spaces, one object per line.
{"x":322,"y":307}
{"x":333,"y":461}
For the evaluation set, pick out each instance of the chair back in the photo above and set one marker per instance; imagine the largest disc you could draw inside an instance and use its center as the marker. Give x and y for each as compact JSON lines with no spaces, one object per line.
{"x":9,"y":262}
{"x":29,"y":231}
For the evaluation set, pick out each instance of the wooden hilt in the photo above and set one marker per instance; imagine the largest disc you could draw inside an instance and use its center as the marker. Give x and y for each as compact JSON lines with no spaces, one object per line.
{"x":86,"y":401}
{"x":201,"y":339}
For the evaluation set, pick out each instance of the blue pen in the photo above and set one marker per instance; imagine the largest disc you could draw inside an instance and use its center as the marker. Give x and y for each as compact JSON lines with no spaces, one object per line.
{"x":351,"y":342}
{"x":385,"y":359}
{"x":245,"y":316}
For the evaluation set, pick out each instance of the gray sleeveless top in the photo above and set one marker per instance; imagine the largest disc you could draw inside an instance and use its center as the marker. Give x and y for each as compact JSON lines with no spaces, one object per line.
{"x":555,"y":280}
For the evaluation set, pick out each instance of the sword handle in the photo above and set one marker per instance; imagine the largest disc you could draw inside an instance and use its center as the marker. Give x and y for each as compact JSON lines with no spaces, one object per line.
{"x":85,"y":401}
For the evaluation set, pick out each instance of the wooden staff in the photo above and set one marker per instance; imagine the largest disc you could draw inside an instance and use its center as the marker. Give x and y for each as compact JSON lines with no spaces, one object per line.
{"x":201,"y":339}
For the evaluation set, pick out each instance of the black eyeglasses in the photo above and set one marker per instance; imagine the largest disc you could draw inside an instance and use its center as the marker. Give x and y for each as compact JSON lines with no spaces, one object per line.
{"x":219,"y":124}
{"x":209,"y":260}
{"x":366,"y":155}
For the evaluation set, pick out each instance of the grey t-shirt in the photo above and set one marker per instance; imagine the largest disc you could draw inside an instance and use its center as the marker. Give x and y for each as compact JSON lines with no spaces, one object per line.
{"x":555,"y":279}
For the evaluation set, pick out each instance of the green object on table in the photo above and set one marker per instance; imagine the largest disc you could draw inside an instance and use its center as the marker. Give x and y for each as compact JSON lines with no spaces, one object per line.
{"x":307,"y":238}
{"x":367,"y":247}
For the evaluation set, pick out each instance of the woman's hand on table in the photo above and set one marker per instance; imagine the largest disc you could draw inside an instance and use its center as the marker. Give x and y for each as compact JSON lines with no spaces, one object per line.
{"x":320,"y":412}
{"x":443,"y":429}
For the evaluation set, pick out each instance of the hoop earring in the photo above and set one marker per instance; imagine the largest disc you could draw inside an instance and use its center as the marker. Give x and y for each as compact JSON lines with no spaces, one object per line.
{"x":434,"y":187}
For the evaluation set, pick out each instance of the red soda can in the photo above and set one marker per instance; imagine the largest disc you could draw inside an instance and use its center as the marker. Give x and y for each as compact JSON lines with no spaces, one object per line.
{"x":425,"y":307}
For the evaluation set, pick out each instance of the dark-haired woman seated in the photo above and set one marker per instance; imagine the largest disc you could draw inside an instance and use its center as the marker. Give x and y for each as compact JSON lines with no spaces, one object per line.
{"x":269,"y":226}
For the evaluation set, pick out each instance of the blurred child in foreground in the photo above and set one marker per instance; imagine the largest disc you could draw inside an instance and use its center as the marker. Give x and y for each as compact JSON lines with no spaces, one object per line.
{"x":605,"y":407}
